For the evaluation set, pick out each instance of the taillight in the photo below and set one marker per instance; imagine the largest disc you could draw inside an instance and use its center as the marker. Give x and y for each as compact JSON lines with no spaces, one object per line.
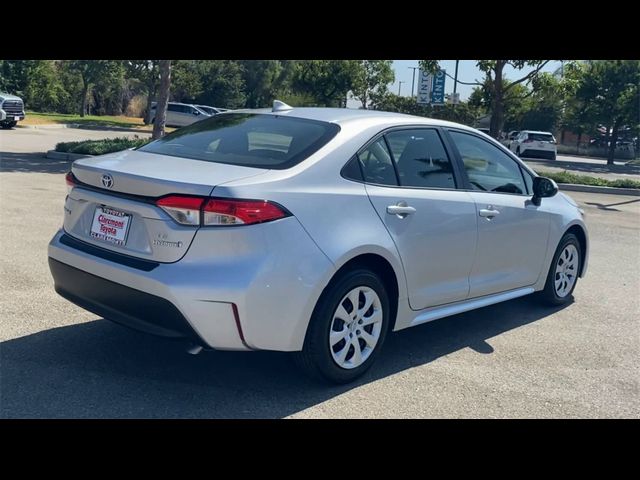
{"x":217,"y":211}
{"x":240,"y":212}
{"x":71,"y":181}
{"x":184,"y":210}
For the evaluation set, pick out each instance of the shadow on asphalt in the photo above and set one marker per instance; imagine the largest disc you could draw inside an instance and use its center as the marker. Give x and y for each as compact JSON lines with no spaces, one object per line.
{"x":31,"y":162}
{"x":588,"y":167}
{"x":609,"y":206}
{"x":101,"y":370}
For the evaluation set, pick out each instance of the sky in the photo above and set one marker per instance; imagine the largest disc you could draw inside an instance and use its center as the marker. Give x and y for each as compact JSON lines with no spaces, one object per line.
{"x":467,"y":72}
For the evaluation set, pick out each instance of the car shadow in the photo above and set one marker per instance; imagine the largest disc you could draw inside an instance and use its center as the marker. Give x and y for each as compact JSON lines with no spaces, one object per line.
{"x":31,"y":162}
{"x":627,"y":169}
{"x":101,"y":370}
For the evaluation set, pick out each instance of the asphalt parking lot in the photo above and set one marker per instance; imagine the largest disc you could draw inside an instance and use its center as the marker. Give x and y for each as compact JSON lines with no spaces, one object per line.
{"x":514,"y":359}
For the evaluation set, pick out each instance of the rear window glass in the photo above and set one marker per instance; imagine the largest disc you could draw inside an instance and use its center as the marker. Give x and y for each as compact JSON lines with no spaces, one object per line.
{"x":541,"y":137}
{"x":247,"y":139}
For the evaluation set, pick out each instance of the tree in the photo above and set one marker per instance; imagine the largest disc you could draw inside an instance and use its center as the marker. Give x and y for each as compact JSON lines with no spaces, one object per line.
{"x":494,"y":83}
{"x":92,"y":72}
{"x":265,"y":80}
{"x":328,"y":81}
{"x":212,"y":82}
{"x":163,"y":99}
{"x":146,"y":71}
{"x":608,"y":91}
{"x":372,"y":80}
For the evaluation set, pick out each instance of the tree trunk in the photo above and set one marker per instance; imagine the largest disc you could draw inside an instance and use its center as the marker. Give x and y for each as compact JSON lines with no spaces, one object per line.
{"x":163,"y":99}
{"x":497,"y":103}
{"x":613,"y":140}
{"x":578,"y":143}
{"x":83,"y":105}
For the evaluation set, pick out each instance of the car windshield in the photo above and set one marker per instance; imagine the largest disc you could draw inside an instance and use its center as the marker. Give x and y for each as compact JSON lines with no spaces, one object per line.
{"x":208,"y":110}
{"x":247,"y":139}
{"x":541,"y":137}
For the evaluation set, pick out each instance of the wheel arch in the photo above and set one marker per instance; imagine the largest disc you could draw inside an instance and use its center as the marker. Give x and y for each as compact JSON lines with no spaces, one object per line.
{"x":581,"y":234}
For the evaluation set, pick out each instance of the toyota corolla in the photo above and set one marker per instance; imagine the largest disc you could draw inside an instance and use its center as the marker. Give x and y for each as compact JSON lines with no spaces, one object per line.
{"x":311,"y":230}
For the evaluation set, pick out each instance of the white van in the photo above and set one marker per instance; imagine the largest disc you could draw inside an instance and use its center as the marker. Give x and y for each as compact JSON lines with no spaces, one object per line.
{"x":180,"y":114}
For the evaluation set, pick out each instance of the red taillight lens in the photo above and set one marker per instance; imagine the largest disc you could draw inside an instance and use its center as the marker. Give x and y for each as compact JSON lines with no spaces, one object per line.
{"x":70,"y":180}
{"x":184,"y":210}
{"x":217,"y":211}
{"x":240,"y":212}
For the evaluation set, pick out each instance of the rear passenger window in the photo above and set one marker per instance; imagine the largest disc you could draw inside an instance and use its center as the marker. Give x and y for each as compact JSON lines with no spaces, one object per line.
{"x":421,"y":159}
{"x":376,"y":164}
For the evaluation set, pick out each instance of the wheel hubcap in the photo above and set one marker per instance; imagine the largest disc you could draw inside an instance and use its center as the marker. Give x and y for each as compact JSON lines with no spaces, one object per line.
{"x":566,"y":270}
{"x":355,"y":327}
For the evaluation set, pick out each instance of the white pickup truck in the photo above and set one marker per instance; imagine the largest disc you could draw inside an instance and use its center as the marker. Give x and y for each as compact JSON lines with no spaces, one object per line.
{"x":11,"y":110}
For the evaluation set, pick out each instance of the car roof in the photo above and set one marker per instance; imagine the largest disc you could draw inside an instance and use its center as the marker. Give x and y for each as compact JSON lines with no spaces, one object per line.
{"x":536,"y":131}
{"x":348,"y":115}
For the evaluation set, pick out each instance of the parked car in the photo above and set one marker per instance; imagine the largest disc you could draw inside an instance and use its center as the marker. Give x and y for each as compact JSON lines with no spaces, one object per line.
{"x":513,"y":134}
{"x":311,"y":230}
{"x":180,"y":114}
{"x":212,"y":110}
{"x":531,"y":143}
{"x":11,"y":110}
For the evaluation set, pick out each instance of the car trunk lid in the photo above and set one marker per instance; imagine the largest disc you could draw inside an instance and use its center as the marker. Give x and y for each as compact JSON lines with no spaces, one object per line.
{"x":113,"y":205}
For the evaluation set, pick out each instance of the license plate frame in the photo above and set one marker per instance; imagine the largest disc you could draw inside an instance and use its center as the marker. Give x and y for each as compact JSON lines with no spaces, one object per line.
{"x":113,"y":227}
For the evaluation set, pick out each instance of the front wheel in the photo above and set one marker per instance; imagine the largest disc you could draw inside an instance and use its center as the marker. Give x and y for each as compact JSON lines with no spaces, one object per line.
{"x":9,"y":125}
{"x":563,"y":272}
{"x":347,"y":328}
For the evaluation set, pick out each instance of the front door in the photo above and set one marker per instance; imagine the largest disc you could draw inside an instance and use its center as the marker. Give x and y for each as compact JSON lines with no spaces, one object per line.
{"x":512,"y":231}
{"x":411,"y":183}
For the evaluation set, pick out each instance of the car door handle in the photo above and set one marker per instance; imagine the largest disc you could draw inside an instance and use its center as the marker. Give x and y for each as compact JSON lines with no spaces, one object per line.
{"x":488,"y":212}
{"x":401,"y":209}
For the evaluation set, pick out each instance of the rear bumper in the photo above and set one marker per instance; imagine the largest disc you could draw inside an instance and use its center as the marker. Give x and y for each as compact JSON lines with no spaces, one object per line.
{"x":245,"y":288}
{"x":121,"y":304}
{"x":536,"y":153}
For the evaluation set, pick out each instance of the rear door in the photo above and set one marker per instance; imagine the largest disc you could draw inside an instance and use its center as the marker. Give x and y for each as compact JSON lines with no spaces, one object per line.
{"x":512,"y":231}
{"x":411,"y":182}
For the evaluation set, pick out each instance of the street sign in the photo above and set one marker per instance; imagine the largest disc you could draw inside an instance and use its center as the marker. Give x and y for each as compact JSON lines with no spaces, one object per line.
{"x":437,"y":90}
{"x":425,"y":80}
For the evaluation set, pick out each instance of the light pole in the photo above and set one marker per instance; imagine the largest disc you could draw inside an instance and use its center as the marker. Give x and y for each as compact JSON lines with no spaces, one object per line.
{"x":413,"y":80}
{"x":400,"y":86}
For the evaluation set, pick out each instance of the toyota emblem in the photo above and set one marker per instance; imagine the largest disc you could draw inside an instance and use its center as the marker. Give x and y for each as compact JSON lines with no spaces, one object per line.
{"x":107,"y":181}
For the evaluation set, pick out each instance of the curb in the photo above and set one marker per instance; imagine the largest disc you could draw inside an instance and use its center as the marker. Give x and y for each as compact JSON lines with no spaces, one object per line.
{"x":69,"y":157}
{"x":48,"y":126}
{"x":571,"y":187}
{"x":84,"y":127}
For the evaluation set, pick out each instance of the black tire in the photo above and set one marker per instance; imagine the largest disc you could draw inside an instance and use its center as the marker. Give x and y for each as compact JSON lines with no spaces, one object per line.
{"x":316,"y":359}
{"x":518,"y":151}
{"x":553,"y":156}
{"x":549,"y":295}
{"x":9,"y":125}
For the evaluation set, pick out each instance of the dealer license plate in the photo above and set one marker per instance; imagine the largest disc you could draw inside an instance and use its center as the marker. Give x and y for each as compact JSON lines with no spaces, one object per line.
{"x":110,"y":225}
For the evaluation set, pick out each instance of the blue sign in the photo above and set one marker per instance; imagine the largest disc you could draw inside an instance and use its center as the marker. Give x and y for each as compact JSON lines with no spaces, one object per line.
{"x":437,"y":91}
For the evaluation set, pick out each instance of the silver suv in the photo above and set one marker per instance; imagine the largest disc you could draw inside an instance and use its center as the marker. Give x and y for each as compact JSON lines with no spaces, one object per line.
{"x":11,"y":110}
{"x":180,"y":114}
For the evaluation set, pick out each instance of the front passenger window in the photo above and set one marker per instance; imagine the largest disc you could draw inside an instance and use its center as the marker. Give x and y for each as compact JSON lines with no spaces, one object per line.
{"x":489,"y":169}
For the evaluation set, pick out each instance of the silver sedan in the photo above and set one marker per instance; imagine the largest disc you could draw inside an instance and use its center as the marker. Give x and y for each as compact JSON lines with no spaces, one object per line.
{"x":310,"y":230}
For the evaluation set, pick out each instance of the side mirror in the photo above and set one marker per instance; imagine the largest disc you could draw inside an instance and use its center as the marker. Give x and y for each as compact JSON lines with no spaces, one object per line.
{"x":196,"y":112}
{"x":543,"y":188}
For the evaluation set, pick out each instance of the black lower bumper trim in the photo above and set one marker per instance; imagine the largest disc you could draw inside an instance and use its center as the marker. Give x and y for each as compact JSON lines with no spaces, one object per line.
{"x":121,"y":304}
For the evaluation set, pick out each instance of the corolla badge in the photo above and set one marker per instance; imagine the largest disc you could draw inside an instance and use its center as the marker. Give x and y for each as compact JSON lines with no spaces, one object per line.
{"x":107,"y":181}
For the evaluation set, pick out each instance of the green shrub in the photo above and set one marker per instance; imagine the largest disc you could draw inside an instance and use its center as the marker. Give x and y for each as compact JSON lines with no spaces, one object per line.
{"x":567,"y":177}
{"x":100,"y":147}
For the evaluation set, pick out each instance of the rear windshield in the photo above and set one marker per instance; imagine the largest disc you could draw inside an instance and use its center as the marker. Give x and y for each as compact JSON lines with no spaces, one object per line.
{"x":541,"y":137}
{"x":247,"y":139}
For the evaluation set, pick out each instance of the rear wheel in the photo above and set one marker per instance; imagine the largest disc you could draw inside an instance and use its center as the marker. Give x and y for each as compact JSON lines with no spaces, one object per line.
{"x":518,"y":151}
{"x":563,"y":272}
{"x":553,"y":156}
{"x":347,"y":328}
